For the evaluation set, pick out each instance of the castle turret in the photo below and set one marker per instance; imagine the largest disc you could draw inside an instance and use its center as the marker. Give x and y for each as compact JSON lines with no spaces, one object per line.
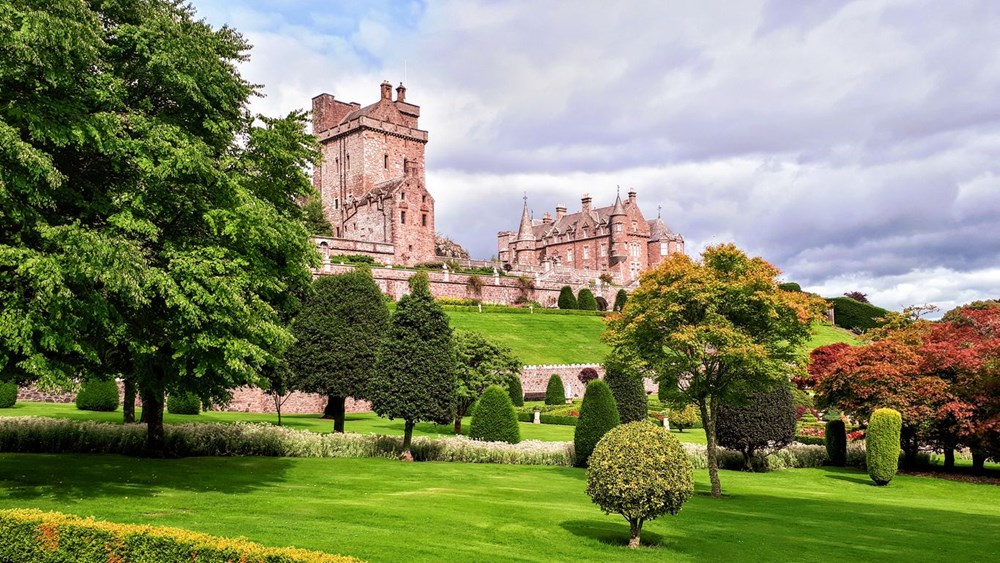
{"x":618,"y":237}
{"x":524,"y":244}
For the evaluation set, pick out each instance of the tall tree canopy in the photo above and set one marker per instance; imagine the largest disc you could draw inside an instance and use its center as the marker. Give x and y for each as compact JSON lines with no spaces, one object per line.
{"x":338,"y":333}
{"x":143,"y":211}
{"x":715,"y":331}
{"x":482,"y":362}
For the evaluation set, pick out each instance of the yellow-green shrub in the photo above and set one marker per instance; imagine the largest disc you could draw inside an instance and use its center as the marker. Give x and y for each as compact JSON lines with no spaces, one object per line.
{"x":41,"y":537}
{"x":882,"y":445}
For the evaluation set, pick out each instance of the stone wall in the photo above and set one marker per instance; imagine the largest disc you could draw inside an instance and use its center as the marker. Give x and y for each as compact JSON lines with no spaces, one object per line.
{"x":535,"y":379}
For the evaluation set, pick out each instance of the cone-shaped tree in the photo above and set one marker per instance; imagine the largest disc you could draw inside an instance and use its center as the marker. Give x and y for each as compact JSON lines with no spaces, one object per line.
{"x":585,"y":300}
{"x":598,"y":414}
{"x":566,"y":298}
{"x":415,"y":374}
{"x":515,"y":391}
{"x":339,"y":331}
{"x":882,"y":445}
{"x":620,"y":298}
{"x":495,"y":419}
{"x":627,"y":388}
{"x":555,"y":393}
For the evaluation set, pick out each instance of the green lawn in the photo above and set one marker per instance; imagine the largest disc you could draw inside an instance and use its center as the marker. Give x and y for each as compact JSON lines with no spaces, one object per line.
{"x":383,"y":510}
{"x":825,"y":333}
{"x":540,"y":339}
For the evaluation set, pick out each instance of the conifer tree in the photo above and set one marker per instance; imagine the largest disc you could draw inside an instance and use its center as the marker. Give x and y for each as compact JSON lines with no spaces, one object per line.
{"x":585,"y":300}
{"x":598,"y":414}
{"x":627,"y":387}
{"x":566,"y":298}
{"x":620,"y":298}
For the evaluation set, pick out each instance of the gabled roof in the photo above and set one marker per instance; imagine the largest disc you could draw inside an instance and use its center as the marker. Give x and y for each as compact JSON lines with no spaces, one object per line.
{"x":659,"y":230}
{"x":382,"y":110}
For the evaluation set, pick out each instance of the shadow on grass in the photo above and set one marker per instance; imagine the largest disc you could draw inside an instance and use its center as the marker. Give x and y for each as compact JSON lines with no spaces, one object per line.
{"x":610,"y":533}
{"x":83,"y":476}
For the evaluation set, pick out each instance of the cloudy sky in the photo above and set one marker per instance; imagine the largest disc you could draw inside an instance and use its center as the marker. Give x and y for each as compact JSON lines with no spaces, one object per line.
{"x":855,"y":145}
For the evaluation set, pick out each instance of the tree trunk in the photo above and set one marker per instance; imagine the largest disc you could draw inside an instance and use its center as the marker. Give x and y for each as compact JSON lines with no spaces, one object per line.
{"x":128,"y":402}
{"x":152,"y":412}
{"x":712,"y":450}
{"x":459,"y":415}
{"x":407,"y":438}
{"x":336,"y":409}
{"x":910,"y":451}
{"x":277,"y":406}
{"x":635,"y":532}
{"x":978,"y":461}
{"x":949,"y":458}
{"x":748,"y":460}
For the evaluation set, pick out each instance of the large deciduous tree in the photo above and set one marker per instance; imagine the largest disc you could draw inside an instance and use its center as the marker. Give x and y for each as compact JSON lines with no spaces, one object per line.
{"x":482,"y":362}
{"x":338,"y":332}
{"x":143,"y":209}
{"x":715,"y":331}
{"x":415,"y":375}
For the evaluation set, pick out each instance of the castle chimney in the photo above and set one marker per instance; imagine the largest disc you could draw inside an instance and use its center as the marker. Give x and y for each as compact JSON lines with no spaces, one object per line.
{"x":631,"y":196}
{"x":322,"y":112}
{"x":546,"y":219}
{"x":386,"y":90}
{"x":585,"y":203}
{"x":400,"y":93}
{"x":560,"y":211}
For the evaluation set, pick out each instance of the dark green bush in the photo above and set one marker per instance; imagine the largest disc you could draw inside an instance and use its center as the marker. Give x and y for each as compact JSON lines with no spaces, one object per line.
{"x":183,"y":403}
{"x":8,"y":394}
{"x":836,"y":442}
{"x":495,"y":419}
{"x":598,"y":414}
{"x":555,"y":393}
{"x":585,"y":300}
{"x":882,"y":445}
{"x":620,"y":298}
{"x":790,"y":286}
{"x":97,"y":395}
{"x":558,"y":420}
{"x":566,"y":298}
{"x":629,"y":393}
{"x":855,"y":315}
{"x":515,"y":391}
{"x":766,"y":422}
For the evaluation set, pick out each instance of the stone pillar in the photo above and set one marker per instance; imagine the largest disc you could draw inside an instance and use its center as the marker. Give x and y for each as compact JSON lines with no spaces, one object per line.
{"x":447,"y":273}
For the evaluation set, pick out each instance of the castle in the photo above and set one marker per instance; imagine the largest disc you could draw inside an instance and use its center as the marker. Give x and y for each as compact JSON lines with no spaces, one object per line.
{"x":616,"y":240}
{"x":371,"y":180}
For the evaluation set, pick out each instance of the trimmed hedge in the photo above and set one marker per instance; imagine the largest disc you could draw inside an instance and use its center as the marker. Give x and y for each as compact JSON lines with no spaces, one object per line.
{"x":566,"y":298}
{"x":33,"y":536}
{"x":585,"y":300}
{"x":555,"y":393}
{"x":767,"y":421}
{"x":836,"y":442}
{"x":515,"y":391}
{"x":629,"y":394}
{"x":598,"y":414}
{"x":495,"y":419}
{"x":556,"y":419}
{"x":521,"y":310}
{"x":882,"y":445}
{"x":97,"y":395}
{"x":8,"y":394}
{"x":183,"y":403}
{"x":855,"y":315}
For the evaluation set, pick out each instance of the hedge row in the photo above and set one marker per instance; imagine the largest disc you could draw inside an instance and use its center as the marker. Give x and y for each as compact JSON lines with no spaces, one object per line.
{"x":41,"y":537}
{"x":548,"y":418}
{"x":522,"y":310}
{"x":855,"y":315}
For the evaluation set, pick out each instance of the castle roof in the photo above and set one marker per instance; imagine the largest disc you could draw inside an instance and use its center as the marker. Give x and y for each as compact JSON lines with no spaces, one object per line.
{"x":382,"y":110}
{"x":526,"y":230}
{"x":659,"y":230}
{"x":618,"y":209}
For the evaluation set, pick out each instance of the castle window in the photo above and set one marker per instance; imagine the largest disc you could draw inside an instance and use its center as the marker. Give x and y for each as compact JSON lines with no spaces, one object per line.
{"x":348,"y":162}
{"x":386,"y":162}
{"x":604,"y":249}
{"x":402,"y":196}
{"x":664,"y":249}
{"x":569,"y":255}
{"x":586,"y":252}
{"x":618,"y":228}
{"x":423,"y":219}
{"x":402,"y":217}
{"x":423,"y":199}
{"x":336,"y":203}
{"x":635,"y":226}
{"x":338,"y":232}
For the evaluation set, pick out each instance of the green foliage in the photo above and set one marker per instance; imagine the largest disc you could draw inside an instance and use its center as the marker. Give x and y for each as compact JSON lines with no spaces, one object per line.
{"x":515,"y":391}
{"x":640,"y":472}
{"x":790,"y":286}
{"x":495,"y":420}
{"x":315,"y":219}
{"x":882,"y":445}
{"x":767,"y":421}
{"x":628,"y":390}
{"x":415,"y":375}
{"x":836,"y":442}
{"x":555,"y":392}
{"x":585,"y":300}
{"x":598,"y":414}
{"x":566,"y":298}
{"x":620,"y":298}
{"x":8,"y":394}
{"x":686,"y":416}
{"x":855,"y":315}
{"x":36,"y":536}
{"x":97,"y":395}
{"x":802,"y":399}
{"x":183,"y":403}
{"x":481,"y":363}
{"x":354,"y":259}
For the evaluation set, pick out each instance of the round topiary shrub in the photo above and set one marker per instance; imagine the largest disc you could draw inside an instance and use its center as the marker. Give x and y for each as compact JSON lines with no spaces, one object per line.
{"x":183,"y":403}
{"x":641,"y":472}
{"x":598,"y":414}
{"x":495,"y":419}
{"x":684,"y":417}
{"x":585,"y":300}
{"x":566,"y":298}
{"x":515,"y":391}
{"x":555,"y":393}
{"x":766,"y":422}
{"x":629,"y":393}
{"x":8,"y":394}
{"x":882,"y":445}
{"x":836,"y":442}
{"x":97,"y":395}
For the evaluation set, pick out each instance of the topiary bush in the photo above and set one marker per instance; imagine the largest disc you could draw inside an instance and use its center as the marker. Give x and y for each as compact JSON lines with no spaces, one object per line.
{"x":686,"y":417}
{"x":97,"y":395}
{"x":766,"y":422}
{"x":8,"y":394}
{"x":836,"y":442}
{"x":566,"y":298}
{"x":183,"y":403}
{"x":855,"y":315}
{"x":585,"y":300}
{"x":628,"y":391}
{"x":790,"y":286}
{"x":640,"y":472}
{"x":882,"y":445}
{"x":495,"y":419}
{"x":620,"y":298}
{"x":598,"y":414}
{"x":555,"y":393}
{"x":515,"y":391}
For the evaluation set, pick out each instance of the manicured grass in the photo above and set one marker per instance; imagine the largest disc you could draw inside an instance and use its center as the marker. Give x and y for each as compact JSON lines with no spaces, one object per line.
{"x":540,"y":339}
{"x":826,"y":333}
{"x":383,"y":510}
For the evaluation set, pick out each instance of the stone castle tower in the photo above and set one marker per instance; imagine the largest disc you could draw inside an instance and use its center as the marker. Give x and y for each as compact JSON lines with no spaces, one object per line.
{"x":371,"y":180}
